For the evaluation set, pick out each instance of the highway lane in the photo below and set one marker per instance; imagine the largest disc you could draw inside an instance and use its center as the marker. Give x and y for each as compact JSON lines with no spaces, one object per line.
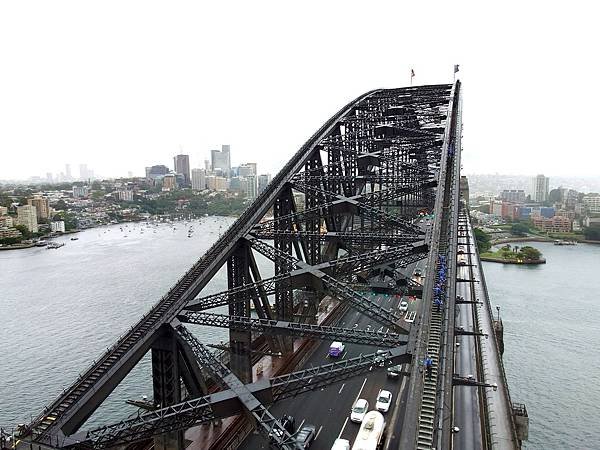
{"x":329,"y":409}
{"x":466,"y":414}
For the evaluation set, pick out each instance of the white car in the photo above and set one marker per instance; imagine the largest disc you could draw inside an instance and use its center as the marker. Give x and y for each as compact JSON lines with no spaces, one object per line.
{"x":360,"y":408}
{"x":341,"y":444}
{"x":384,"y":400}
{"x":403,"y":306}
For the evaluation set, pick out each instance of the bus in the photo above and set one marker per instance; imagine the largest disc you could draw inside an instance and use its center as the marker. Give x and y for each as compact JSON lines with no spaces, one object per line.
{"x":371,"y":430}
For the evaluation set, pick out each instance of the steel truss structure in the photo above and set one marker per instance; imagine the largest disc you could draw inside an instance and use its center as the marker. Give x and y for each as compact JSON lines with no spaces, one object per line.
{"x":343,"y":209}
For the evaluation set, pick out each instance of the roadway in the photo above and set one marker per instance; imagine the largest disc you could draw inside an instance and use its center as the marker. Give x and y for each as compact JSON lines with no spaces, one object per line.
{"x":329,"y":409}
{"x":466,"y":402}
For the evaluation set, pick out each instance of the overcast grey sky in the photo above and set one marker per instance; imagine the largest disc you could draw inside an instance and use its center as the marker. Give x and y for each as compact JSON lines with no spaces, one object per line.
{"x":120,"y":85}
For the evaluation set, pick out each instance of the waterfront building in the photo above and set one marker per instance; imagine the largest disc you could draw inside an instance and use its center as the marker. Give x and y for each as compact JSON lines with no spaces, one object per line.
{"x":513,"y":195}
{"x":221,"y":159}
{"x":591,"y":202}
{"x":3,"y":210}
{"x":251,"y":188}
{"x":80,"y":191}
{"x":8,"y":232}
{"x":525,"y":212}
{"x":42,"y":206}
{"x":182,"y":166}
{"x":27,"y":216}
{"x":541,"y":185}
{"x":198,"y":179}
{"x":556,"y":224}
{"x":6,"y":221}
{"x":58,"y":226}
{"x":263,"y":182}
{"x":169,"y":182}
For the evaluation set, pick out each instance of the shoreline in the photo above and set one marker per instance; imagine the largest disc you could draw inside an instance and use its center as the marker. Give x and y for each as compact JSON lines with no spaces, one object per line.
{"x":508,"y":261}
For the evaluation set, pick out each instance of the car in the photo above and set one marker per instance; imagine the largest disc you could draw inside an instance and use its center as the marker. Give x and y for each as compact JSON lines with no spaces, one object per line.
{"x":288,"y":423}
{"x":336,"y":349}
{"x":305,"y":436}
{"x":384,"y":400}
{"x":417,"y":273}
{"x":360,"y":408}
{"x":403,"y":306}
{"x":341,"y":444}
{"x":394,"y":371}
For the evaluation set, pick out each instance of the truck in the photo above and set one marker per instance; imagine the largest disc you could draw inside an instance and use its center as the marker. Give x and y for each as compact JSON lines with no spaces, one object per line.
{"x":371,"y":432}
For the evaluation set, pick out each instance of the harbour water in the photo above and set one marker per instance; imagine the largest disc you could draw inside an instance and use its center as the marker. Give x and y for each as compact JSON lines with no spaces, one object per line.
{"x":61,"y":308}
{"x":551,"y":316}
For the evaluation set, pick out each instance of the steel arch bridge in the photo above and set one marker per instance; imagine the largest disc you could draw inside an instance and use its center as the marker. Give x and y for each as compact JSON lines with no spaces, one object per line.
{"x":344,"y":210}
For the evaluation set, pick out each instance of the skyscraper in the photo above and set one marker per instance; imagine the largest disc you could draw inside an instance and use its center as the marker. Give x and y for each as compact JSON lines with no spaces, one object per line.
{"x":541,"y":186}
{"x":247,"y":169}
{"x":251,"y":187}
{"x":221,"y":159}
{"x":68,"y":176}
{"x":182,"y":166}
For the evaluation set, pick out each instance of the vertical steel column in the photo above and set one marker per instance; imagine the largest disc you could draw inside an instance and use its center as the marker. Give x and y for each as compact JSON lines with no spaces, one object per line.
{"x":166,"y":383}
{"x":238,"y":273}
{"x":284,"y":296}
{"x":313,"y":224}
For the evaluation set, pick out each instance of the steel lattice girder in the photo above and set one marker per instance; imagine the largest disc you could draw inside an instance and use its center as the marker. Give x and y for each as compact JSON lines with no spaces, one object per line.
{"x":345,"y":265}
{"x":281,"y":327}
{"x":226,"y":403}
{"x":378,"y":132}
{"x":368,"y":238}
{"x":271,"y":428}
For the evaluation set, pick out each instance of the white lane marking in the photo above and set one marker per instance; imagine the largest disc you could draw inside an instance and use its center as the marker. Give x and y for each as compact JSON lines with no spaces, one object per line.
{"x":361,"y":388}
{"x":342,"y":388}
{"x":318,"y":432}
{"x":343,"y":426}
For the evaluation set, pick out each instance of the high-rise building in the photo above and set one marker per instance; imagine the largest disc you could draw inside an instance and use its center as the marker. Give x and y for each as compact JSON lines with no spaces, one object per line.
{"x":3,"y":210}
{"x":198,"y":179}
{"x":221,"y":159}
{"x":41,"y":205}
{"x":49,"y":178}
{"x":182,"y":166}
{"x":541,"y":185}
{"x":251,"y":192}
{"x":263,"y":182}
{"x":68,"y":176}
{"x":27,"y":215}
{"x":592,"y":203}
{"x":207,"y":165}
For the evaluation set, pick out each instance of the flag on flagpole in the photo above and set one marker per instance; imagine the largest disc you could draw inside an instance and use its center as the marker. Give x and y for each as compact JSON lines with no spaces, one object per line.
{"x":455,"y":68}
{"x":412,"y":75}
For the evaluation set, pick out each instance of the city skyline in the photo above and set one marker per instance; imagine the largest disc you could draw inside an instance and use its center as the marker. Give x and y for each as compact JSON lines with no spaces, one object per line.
{"x":119,"y":113}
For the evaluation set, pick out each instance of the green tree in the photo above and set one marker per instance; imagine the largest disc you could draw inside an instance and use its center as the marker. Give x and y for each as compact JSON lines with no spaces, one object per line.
{"x":529,"y":253}
{"x":24,"y":231}
{"x":483,"y":240}
{"x":519,"y":229}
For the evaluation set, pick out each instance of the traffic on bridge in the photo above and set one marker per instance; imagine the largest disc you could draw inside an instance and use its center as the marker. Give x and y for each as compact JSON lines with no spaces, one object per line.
{"x":366,"y":333}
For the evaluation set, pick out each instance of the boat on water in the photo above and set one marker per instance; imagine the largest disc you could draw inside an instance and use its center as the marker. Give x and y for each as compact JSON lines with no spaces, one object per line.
{"x":41,"y":243}
{"x":560,"y":242}
{"x":54,"y":245}
{"x":74,"y":238}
